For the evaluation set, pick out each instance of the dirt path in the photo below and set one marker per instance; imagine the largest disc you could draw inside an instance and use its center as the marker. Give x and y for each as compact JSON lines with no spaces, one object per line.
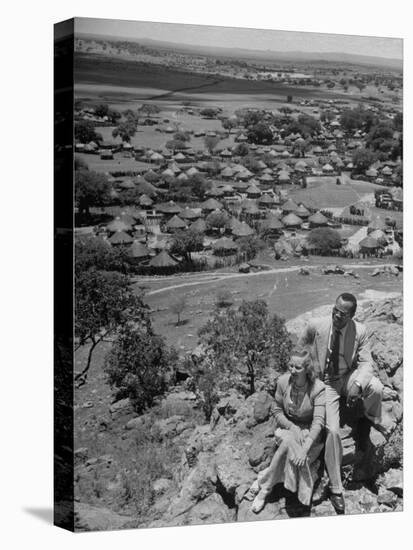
{"x":225,"y":277}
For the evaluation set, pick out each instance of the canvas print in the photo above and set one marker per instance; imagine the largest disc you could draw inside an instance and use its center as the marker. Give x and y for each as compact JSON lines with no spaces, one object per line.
{"x":238,"y":274}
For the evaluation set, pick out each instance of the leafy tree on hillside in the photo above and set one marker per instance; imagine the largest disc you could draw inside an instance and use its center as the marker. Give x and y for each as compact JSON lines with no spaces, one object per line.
{"x":91,"y":189}
{"x":85,"y":131}
{"x":250,"y":246}
{"x":325,"y":239}
{"x":186,"y":242}
{"x":363,"y":159}
{"x":218,"y":220}
{"x":126,"y":130}
{"x":241,"y":149}
{"x":182,"y":136}
{"x":244,"y":343}
{"x":149,"y":109}
{"x":260,"y":133}
{"x":94,"y":252}
{"x":177,"y":307}
{"x":209,"y":112}
{"x":104,"y":301}
{"x":102,"y":110}
{"x":211,"y":142}
{"x":139,"y":365}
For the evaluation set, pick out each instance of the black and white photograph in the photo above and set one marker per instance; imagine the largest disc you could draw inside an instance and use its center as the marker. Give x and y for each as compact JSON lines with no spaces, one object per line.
{"x":238,"y":275}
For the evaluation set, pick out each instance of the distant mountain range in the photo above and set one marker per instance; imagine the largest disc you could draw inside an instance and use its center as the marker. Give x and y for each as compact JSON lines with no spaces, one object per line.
{"x":264,"y":55}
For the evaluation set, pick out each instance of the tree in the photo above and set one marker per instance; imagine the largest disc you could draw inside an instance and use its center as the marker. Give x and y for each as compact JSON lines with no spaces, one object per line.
{"x":186,"y":242}
{"x":363,"y":159}
{"x":149,"y":109}
{"x":91,"y":189}
{"x":102,"y":110}
{"x":218,"y":220}
{"x":260,"y":133}
{"x":182,"y":136}
{"x":138,"y":365}
{"x":224,"y":298}
{"x":125,"y":130}
{"x":211,"y":142}
{"x":85,"y":131}
{"x":241,"y":149}
{"x":250,"y":246}
{"x":325,"y":239}
{"x":94,"y":252}
{"x":104,"y":301}
{"x":209,"y":112}
{"x":244,"y":343}
{"x":177,"y":307}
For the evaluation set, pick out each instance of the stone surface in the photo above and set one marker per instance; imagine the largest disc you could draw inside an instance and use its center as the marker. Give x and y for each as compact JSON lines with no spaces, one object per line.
{"x":92,"y":518}
{"x":161,"y":485}
{"x":387,"y":345}
{"x":80,"y":455}
{"x":172,"y":426}
{"x":122,"y":408}
{"x":393,"y":481}
{"x":271,"y":510}
{"x":232,"y":467}
{"x":211,"y":510}
{"x":262,"y":406}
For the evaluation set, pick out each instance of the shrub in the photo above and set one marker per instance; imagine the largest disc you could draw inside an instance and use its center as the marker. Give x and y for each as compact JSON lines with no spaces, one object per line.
{"x":243,"y":344}
{"x":224,"y":298}
{"x":139,"y":364}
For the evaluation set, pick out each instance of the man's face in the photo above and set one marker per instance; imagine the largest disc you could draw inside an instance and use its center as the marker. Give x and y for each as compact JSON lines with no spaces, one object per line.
{"x":342,"y":313}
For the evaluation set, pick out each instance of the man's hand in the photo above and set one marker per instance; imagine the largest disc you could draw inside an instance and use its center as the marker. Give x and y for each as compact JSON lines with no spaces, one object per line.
{"x":354,"y":394}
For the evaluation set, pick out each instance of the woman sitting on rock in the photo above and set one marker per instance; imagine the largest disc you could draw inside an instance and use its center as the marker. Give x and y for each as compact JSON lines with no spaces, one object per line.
{"x":299,"y":420}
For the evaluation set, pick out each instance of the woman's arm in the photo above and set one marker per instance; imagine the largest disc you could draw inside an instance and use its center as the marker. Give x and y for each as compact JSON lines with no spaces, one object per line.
{"x":318,"y":415}
{"x":281,"y":421}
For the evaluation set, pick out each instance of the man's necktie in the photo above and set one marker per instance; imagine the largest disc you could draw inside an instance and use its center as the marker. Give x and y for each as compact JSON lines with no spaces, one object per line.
{"x":335,"y":353}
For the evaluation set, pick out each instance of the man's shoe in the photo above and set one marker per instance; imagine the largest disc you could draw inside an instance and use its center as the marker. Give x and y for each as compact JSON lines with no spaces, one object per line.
{"x":337,"y":500}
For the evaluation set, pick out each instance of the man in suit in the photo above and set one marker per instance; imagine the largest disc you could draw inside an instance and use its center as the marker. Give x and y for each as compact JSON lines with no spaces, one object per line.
{"x":341,"y":353}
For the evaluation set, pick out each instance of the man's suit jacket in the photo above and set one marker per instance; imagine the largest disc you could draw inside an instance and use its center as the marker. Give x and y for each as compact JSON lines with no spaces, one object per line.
{"x":356,"y":348}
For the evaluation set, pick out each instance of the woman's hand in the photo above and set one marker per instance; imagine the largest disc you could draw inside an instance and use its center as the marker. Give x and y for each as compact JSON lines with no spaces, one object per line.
{"x":300,"y":457}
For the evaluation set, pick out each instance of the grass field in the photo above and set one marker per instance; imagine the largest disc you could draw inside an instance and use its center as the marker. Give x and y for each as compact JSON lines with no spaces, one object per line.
{"x":98,"y":69}
{"x":288,"y":294}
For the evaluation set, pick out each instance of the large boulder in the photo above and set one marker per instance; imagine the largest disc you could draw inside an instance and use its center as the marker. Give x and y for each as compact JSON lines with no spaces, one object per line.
{"x":386,"y":346}
{"x":262,"y":406}
{"x":122,"y":409}
{"x":172,"y":426}
{"x":93,"y":518}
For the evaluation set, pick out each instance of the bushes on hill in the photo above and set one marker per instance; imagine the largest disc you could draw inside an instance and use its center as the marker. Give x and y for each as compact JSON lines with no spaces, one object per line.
{"x":241,"y":347}
{"x":138,"y":365}
{"x":326,"y":240}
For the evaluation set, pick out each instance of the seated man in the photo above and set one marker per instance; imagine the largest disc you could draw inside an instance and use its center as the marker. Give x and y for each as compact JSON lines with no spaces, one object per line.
{"x":341,"y":350}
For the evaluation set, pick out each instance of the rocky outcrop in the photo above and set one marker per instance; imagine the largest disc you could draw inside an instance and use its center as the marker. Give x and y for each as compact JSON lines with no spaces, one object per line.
{"x":222,"y":460}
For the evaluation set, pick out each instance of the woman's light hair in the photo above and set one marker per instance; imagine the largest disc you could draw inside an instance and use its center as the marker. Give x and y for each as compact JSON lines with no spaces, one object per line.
{"x":307,"y":361}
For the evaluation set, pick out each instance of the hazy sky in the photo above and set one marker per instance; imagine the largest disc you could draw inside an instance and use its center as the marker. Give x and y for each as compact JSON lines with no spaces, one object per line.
{"x":232,"y":37}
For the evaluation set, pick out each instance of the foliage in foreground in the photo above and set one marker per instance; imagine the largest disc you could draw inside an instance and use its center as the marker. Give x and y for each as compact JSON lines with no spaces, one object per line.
{"x":240,"y":348}
{"x":139,"y":365}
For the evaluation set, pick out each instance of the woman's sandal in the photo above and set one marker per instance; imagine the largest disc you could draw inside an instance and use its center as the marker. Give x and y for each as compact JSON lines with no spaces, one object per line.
{"x":258,"y":504}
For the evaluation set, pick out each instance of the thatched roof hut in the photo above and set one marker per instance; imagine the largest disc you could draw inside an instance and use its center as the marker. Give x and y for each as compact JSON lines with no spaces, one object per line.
{"x":163,"y":259}
{"x":120,"y":237}
{"x":175,"y":223}
{"x":292,"y":220}
{"x":242,"y":230}
{"x":318,"y":220}
{"x":139,"y":251}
